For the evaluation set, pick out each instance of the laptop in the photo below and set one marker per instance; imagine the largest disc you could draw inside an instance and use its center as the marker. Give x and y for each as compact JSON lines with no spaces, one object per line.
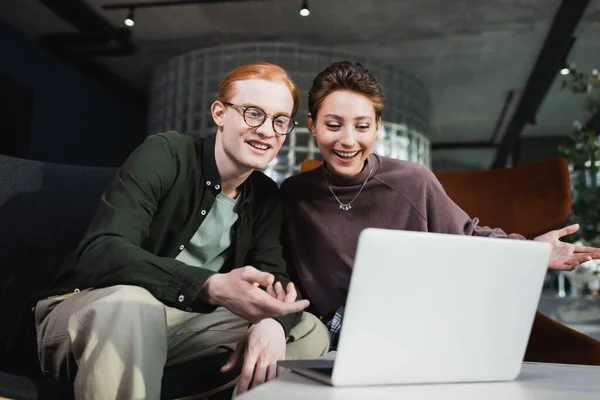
{"x":434,"y":308}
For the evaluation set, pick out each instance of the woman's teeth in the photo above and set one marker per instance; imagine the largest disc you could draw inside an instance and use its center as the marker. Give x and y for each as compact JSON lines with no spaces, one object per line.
{"x":345,"y":155}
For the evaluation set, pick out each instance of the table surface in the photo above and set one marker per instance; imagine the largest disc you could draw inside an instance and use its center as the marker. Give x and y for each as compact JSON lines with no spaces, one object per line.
{"x":536,"y":381}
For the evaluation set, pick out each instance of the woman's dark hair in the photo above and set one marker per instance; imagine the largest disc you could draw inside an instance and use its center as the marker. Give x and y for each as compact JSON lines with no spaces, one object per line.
{"x":345,"y":75}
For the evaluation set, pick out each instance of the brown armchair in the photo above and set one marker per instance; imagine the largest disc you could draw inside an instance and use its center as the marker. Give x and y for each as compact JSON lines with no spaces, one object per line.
{"x":530,"y":199}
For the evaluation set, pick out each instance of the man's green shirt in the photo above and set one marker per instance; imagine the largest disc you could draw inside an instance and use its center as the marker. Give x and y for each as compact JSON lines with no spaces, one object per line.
{"x":149,"y":213}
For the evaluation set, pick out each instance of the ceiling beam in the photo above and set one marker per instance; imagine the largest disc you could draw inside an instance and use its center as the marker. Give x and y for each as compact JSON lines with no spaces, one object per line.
{"x":152,"y":4}
{"x":594,"y":121}
{"x":82,"y":17}
{"x":551,"y":59}
{"x":510,"y":96}
{"x":95,"y":38}
{"x":462,"y":145}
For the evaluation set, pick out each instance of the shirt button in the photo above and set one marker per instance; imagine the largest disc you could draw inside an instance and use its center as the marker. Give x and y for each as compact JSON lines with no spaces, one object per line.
{"x":189,"y":309}
{"x":207,"y":183}
{"x":181,"y":298}
{"x":217,"y":186}
{"x":76,"y":291}
{"x":181,"y":247}
{"x":203,"y":212}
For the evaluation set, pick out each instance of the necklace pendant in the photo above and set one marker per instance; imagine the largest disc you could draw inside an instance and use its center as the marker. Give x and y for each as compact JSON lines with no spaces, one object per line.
{"x":345,"y":207}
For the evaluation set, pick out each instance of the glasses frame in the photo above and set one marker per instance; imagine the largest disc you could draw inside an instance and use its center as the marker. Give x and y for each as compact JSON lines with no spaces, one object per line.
{"x":267,"y":115}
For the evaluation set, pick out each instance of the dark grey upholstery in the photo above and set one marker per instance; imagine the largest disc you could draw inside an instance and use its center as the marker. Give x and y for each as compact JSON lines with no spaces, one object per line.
{"x":44,"y":212}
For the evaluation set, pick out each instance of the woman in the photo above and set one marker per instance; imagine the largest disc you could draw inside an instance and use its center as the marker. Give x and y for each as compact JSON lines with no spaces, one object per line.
{"x":326,"y":208}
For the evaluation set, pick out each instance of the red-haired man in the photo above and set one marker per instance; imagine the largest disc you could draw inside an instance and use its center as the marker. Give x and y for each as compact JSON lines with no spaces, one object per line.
{"x":182,"y":259}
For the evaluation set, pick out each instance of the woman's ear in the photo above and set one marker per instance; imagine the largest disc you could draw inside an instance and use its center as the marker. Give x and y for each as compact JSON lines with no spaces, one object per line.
{"x":217,"y":110}
{"x":311,"y":124}
{"x":378,"y":123}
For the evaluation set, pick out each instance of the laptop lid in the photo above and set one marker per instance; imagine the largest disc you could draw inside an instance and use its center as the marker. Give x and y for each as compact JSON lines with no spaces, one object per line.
{"x":428,"y":307}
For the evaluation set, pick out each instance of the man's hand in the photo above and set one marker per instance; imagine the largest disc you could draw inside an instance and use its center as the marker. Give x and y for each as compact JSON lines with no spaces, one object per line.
{"x":276,"y":291}
{"x":238,"y":291}
{"x":262,"y":347}
{"x":566,"y":256}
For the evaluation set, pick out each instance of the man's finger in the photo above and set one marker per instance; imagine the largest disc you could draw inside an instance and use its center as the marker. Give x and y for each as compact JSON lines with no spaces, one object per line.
{"x":282,"y":308}
{"x":260,"y":373}
{"x":246,"y":375}
{"x":252,"y":275}
{"x":291,"y":307}
{"x":280,"y":292}
{"x":271,"y":291}
{"x":235,"y":356}
{"x":279,"y":371}
{"x":268,"y":306}
{"x":291,"y":293}
{"x":272,"y":372}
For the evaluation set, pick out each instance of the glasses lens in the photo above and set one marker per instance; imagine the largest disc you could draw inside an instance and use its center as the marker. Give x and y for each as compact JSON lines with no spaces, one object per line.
{"x":254,"y":116}
{"x":283,"y":124}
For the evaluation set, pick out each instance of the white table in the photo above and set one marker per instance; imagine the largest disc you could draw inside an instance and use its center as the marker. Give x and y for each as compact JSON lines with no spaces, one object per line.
{"x":536,"y":381}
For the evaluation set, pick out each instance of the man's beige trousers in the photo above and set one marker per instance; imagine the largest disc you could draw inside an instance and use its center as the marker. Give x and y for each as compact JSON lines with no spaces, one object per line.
{"x":116,"y":341}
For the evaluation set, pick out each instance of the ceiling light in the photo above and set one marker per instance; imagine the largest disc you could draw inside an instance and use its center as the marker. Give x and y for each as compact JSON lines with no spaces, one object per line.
{"x":129,"y":21}
{"x":304,"y":11}
{"x":564,"y":71}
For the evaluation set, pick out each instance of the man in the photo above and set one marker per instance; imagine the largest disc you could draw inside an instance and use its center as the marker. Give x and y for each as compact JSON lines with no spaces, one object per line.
{"x":183,"y":259}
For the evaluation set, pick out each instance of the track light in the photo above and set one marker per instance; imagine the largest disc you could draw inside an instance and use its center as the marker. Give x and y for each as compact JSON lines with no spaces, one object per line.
{"x":129,"y":21}
{"x":304,"y":11}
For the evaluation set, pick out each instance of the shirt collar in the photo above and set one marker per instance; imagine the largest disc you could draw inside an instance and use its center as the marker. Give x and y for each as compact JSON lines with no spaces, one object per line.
{"x":205,"y":158}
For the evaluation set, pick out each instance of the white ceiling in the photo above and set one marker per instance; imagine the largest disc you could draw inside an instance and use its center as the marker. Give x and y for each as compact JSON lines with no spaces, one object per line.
{"x":469,"y":53}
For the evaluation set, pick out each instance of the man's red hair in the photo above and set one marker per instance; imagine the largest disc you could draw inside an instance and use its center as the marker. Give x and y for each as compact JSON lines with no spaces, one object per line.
{"x":259,"y":70}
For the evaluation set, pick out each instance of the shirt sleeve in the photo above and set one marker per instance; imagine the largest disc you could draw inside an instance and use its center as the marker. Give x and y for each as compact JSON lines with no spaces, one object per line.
{"x":111,"y":251}
{"x":266,"y":253}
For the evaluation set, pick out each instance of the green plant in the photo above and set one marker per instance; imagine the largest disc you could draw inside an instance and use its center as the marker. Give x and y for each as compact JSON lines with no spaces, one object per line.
{"x":582,"y":150}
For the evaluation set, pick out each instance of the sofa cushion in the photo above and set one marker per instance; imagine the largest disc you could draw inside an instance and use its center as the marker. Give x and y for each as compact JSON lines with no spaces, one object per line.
{"x":44,"y":212}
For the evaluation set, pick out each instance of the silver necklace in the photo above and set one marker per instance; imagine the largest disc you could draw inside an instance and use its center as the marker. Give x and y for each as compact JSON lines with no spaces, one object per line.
{"x":346,"y":207}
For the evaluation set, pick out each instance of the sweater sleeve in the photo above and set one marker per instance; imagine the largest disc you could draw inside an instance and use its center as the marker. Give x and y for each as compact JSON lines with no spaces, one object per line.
{"x":445,"y":216}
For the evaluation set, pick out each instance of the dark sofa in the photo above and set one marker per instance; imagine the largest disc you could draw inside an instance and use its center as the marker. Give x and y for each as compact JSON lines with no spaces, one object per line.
{"x":44,"y":211}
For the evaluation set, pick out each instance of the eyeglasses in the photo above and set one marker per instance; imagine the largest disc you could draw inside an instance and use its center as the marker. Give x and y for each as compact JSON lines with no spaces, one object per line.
{"x":255,"y":117}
